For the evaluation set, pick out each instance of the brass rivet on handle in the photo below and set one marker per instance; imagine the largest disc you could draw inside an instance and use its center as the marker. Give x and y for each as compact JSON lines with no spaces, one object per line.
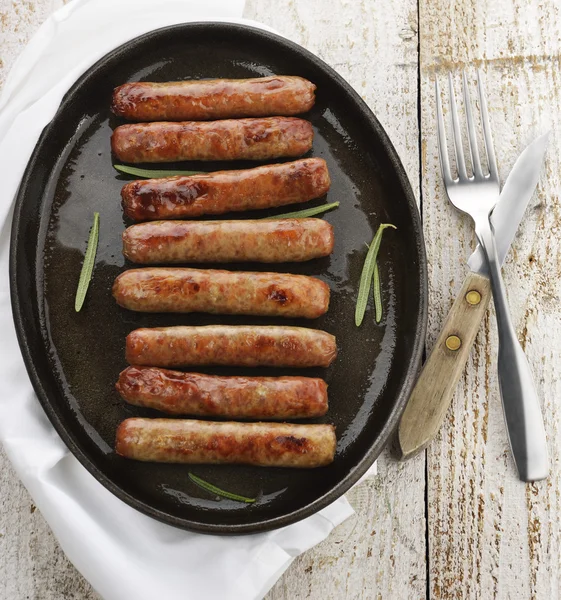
{"x":473,"y":297}
{"x":453,"y":342}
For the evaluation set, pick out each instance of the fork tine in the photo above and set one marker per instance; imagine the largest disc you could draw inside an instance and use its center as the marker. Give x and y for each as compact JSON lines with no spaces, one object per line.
{"x":442,"y":144}
{"x":489,"y":148}
{"x":473,"y":147}
{"x":457,"y":136}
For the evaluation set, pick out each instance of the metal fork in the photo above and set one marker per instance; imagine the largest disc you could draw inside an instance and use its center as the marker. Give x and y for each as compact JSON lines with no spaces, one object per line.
{"x":476,"y":195}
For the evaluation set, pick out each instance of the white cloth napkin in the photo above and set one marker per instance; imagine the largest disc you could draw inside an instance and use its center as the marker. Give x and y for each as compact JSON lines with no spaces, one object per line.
{"x":123,"y":553}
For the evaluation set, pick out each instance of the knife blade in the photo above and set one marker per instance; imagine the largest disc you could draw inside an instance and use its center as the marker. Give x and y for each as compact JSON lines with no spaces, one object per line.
{"x":438,"y":379}
{"x":515,"y":195}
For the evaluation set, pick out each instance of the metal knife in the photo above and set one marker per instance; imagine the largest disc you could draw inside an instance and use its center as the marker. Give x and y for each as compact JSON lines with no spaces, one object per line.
{"x":440,"y":374}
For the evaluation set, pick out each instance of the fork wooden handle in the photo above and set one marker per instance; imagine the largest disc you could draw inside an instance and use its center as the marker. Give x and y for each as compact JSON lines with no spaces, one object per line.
{"x":440,"y":374}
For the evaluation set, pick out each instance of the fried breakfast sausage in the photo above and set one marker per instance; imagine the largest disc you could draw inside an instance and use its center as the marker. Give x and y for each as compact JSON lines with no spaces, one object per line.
{"x":206,"y":442}
{"x":221,"y":292}
{"x":261,"y":240}
{"x":224,"y":191}
{"x":178,"y":393}
{"x":234,"y":139}
{"x":230,"y":345}
{"x":210,"y":99}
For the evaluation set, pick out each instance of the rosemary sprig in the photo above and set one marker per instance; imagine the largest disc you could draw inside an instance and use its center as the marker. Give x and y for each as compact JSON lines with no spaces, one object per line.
{"x":307,"y":212}
{"x":87,"y":267}
{"x":152,"y":173}
{"x":209,"y":487}
{"x":368,"y":273}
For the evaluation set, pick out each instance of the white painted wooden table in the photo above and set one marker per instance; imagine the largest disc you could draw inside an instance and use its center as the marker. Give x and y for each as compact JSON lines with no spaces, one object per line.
{"x":454,"y":522}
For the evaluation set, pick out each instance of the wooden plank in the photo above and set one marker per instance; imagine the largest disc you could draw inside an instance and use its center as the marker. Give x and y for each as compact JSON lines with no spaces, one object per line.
{"x":379,"y":553}
{"x":32,"y":565}
{"x":491,"y":536}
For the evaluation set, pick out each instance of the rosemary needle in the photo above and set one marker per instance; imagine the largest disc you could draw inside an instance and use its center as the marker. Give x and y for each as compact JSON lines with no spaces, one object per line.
{"x":209,"y":487}
{"x":307,"y":212}
{"x":368,"y":273}
{"x":377,"y":293}
{"x":152,"y":173}
{"x":87,"y":267}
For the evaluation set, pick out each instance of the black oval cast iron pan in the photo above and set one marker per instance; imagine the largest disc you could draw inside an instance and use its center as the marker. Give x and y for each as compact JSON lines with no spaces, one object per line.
{"x":74,"y":359}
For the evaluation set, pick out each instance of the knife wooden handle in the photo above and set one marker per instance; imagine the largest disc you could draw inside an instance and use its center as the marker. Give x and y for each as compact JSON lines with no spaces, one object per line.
{"x":440,"y":374}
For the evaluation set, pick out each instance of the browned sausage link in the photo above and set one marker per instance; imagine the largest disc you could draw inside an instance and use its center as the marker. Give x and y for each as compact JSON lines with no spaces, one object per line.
{"x":224,"y":191}
{"x":221,"y":292}
{"x":230,"y":345}
{"x":213,"y":99}
{"x":178,"y":393}
{"x":262,"y":240}
{"x":205,"y":442}
{"x":236,"y":139}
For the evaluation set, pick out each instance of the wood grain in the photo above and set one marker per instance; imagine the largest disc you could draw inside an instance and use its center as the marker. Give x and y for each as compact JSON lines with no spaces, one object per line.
{"x":491,"y":536}
{"x":378,"y":553}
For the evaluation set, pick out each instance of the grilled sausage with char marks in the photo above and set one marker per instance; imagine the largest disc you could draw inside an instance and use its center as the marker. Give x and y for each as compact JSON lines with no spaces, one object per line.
{"x":234,"y":139}
{"x":261,"y":240}
{"x":205,"y":442}
{"x":220,"y":192}
{"x":230,"y":345}
{"x":209,"y":99}
{"x":221,"y":292}
{"x":178,"y":393}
